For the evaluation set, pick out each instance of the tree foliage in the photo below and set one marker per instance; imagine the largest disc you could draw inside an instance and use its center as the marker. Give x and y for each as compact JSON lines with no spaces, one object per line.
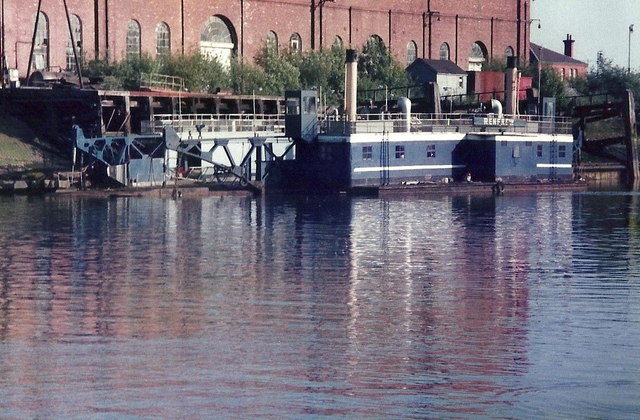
{"x":271,"y":73}
{"x":123,"y":75}
{"x":198,"y":73}
{"x":377,"y":67}
{"x":608,"y":78}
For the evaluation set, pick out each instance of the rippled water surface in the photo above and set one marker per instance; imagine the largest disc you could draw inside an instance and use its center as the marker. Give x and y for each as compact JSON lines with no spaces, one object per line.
{"x":522,"y":306}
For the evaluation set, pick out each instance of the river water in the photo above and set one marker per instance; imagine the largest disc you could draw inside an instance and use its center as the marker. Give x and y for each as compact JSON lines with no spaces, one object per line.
{"x":520,"y":306}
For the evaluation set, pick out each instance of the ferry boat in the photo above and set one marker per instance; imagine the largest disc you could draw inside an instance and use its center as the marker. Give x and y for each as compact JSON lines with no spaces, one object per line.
{"x":405,"y":151}
{"x":356,"y":151}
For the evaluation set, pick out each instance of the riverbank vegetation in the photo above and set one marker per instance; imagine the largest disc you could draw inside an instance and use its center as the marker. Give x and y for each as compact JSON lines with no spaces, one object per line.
{"x":271,"y":73}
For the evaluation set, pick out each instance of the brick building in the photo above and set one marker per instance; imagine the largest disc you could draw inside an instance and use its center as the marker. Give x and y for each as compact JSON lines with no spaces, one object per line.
{"x":465,"y":31}
{"x":565,"y":65}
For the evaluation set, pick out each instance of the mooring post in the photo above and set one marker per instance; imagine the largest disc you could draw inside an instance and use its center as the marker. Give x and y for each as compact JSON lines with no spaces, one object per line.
{"x":631,"y":140}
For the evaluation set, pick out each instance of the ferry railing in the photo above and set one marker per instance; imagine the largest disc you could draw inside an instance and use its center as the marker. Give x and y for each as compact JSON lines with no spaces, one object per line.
{"x":461,"y":123}
{"x":197,"y":124}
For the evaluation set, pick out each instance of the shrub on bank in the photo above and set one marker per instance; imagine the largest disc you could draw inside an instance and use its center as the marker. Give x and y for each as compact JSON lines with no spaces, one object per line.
{"x":272,"y":73}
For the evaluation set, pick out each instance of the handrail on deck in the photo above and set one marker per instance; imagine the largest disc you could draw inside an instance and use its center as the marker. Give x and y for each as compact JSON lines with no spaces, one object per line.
{"x":378,"y":123}
{"x":369,"y":123}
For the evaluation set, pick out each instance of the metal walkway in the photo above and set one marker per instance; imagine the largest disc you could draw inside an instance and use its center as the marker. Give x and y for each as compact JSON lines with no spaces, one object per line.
{"x":122,"y":150}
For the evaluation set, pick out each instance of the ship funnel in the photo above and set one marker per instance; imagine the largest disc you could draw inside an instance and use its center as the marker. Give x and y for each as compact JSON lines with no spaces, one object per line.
{"x":512,"y":82}
{"x":405,"y":106}
{"x":496,"y":107}
{"x":350,"y":84}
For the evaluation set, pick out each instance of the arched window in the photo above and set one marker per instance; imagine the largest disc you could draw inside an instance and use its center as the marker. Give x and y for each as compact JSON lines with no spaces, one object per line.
{"x":295,"y":42}
{"x":412,"y":52}
{"x":133,"y":40}
{"x":445,"y":51}
{"x":272,"y":41}
{"x":375,"y":42}
{"x":337,"y":43}
{"x":41,"y":46}
{"x":163,"y":40}
{"x":76,"y":32}
{"x":477,"y":56}
{"x":508,"y":52}
{"x":218,"y":40}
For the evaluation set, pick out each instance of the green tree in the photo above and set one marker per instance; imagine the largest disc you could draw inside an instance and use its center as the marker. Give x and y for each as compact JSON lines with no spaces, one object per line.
{"x":280,"y":73}
{"x":200,"y":74}
{"x":377,"y":67}
{"x":322,"y":70}
{"x":246,"y":78}
{"x":608,"y":78}
{"x":271,"y":73}
{"x":494,"y":64}
{"x":123,"y":75}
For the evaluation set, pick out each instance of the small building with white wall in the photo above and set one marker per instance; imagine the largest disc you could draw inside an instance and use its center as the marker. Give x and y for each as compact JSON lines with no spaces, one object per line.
{"x":451,"y":79}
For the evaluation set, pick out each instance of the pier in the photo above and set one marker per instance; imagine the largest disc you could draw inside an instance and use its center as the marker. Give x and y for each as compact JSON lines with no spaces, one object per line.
{"x":598,"y":119}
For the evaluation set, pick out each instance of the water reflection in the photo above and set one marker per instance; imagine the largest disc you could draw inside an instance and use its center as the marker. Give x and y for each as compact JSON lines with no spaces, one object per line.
{"x":295,"y":305}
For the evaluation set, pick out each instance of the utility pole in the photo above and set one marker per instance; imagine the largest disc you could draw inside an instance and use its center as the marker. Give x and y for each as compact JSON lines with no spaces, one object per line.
{"x":629,"y":56}
{"x":540,"y":80}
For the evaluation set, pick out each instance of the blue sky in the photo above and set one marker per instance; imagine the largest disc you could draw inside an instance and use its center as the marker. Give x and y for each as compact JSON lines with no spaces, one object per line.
{"x":596,"y":25}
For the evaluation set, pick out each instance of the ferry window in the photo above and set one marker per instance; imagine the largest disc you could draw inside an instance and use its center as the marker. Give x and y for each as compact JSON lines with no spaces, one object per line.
{"x":516,"y":152}
{"x":400,"y":152}
{"x":539,"y":150}
{"x":310,"y":105}
{"x":327,"y":153}
{"x":431,"y":150}
{"x":528,"y":143}
{"x":367,"y":152}
{"x":293,"y":106}
{"x":503,"y":143}
{"x":562,"y":151}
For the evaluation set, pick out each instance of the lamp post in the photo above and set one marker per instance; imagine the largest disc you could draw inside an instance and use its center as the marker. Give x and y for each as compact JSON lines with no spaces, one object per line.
{"x":539,"y":67}
{"x":629,"y":56}
{"x":540,"y":80}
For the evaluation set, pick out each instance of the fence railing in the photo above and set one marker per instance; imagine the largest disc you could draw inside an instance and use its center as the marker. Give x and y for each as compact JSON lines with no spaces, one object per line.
{"x":161,"y":81}
{"x":461,"y":123}
{"x":197,"y":124}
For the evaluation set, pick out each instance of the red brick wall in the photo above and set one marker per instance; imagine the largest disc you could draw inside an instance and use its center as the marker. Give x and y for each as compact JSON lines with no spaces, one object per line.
{"x":397,"y":22}
{"x":566,"y":71}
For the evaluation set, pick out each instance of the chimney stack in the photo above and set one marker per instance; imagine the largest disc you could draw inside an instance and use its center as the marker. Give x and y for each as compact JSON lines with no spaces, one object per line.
{"x":351,"y":85}
{"x":568,"y":46}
